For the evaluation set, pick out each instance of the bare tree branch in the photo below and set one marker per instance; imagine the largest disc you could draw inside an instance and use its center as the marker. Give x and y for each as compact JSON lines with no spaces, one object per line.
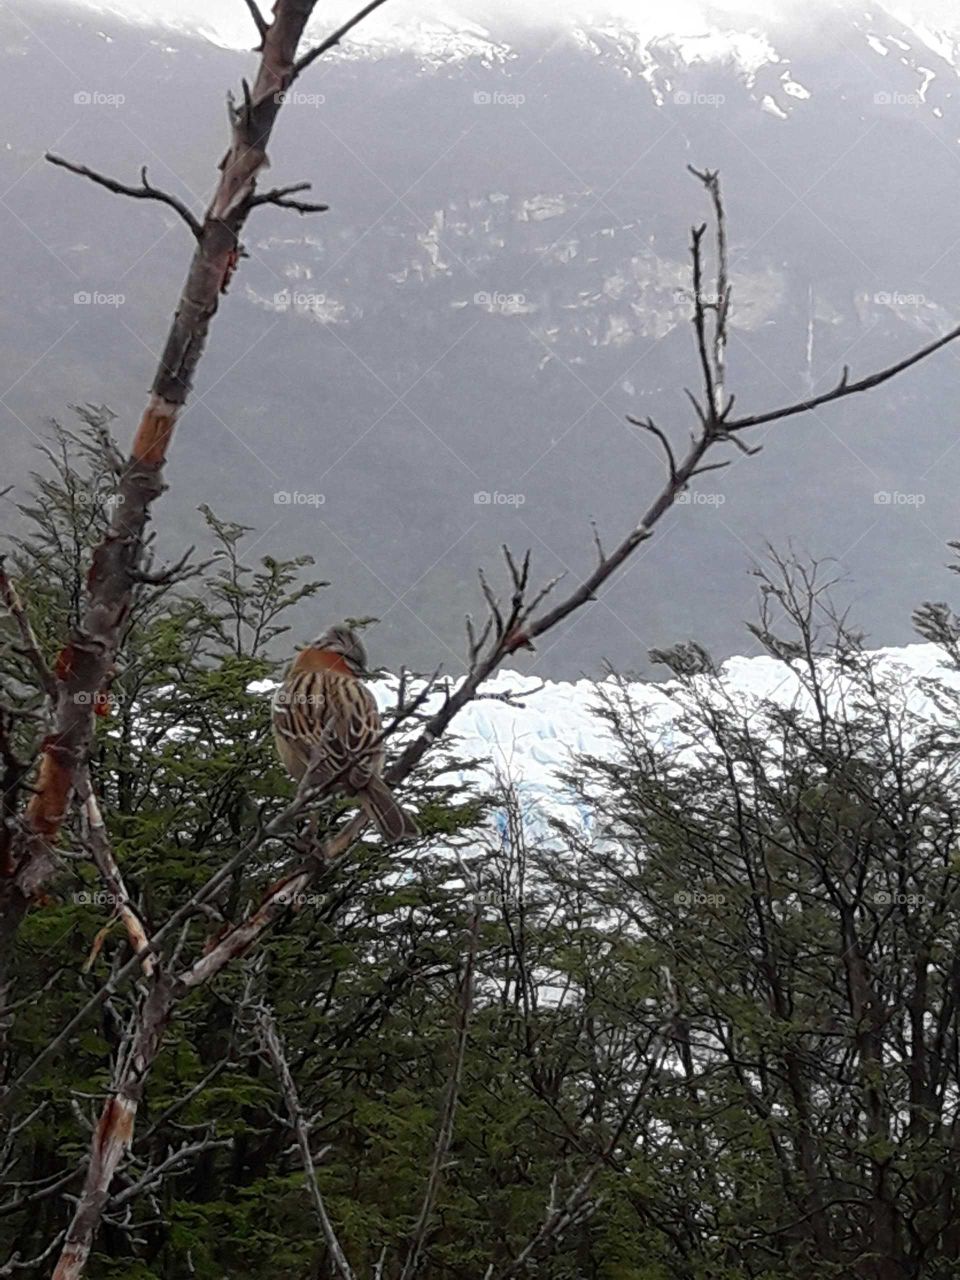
{"x":57,"y":1183}
{"x":279,"y":197}
{"x":185,"y":1099}
{"x":700,"y":320}
{"x":16,"y":1264}
{"x":720,"y":304}
{"x":30,"y":645}
{"x":106,"y":864}
{"x":647,"y":424}
{"x":445,"y":1130}
{"x":273,"y":1050}
{"x":180,"y":571}
{"x":259,"y":21}
{"x":333,"y":40}
{"x":155,"y":1174}
{"x":114,"y":1129}
{"x":144,"y":192}
{"x":844,"y":387}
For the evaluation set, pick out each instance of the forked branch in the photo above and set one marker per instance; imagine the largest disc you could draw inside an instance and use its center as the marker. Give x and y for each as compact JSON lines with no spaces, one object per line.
{"x":144,"y":192}
{"x":280,"y":196}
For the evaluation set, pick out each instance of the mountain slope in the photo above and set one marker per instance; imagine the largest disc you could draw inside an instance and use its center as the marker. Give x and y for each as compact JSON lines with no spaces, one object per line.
{"x":502,"y":277}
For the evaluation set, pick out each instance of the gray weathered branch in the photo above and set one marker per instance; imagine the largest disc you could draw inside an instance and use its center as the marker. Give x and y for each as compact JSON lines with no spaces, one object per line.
{"x":335,"y":37}
{"x":274,"y":1052}
{"x":441,"y":1149}
{"x":259,"y":21}
{"x":280,"y":196}
{"x":144,"y":192}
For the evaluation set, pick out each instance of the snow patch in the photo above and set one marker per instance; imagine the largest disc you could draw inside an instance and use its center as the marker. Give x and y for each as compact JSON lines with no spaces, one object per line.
{"x":772,"y":107}
{"x":928,"y":78}
{"x":793,"y":88}
{"x":535,"y":743}
{"x":750,"y":50}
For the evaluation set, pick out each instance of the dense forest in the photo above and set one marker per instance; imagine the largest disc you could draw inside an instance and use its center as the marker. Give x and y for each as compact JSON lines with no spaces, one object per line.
{"x":713,"y":1034}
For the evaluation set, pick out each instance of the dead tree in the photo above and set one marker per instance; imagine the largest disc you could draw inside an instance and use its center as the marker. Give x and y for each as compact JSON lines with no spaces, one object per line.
{"x":511,"y":623}
{"x":84,"y":665}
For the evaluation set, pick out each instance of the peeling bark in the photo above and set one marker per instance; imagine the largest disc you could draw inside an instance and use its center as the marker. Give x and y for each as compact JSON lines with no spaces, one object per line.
{"x":83,"y":668}
{"x":86,"y":661}
{"x":114,"y":1132}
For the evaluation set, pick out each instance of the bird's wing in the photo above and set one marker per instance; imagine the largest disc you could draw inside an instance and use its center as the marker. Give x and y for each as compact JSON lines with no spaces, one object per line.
{"x":358,"y":727}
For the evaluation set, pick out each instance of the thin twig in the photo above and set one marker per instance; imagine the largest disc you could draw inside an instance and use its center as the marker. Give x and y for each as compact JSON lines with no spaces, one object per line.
{"x":279,"y":196}
{"x":445,"y":1130}
{"x":184,"y":1099}
{"x":15,"y":1263}
{"x":721,"y":303}
{"x":156,"y":1173}
{"x":844,"y":387}
{"x":31,"y":646}
{"x":700,"y":321}
{"x":647,"y":424}
{"x":333,"y":40}
{"x":110,"y":873}
{"x":273,"y":1049}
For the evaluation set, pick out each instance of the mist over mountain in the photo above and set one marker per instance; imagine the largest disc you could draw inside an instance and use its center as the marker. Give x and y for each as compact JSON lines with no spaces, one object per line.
{"x":502,"y":277}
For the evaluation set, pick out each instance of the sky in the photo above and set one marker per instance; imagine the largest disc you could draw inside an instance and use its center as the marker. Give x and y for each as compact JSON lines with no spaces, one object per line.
{"x":228,"y":23}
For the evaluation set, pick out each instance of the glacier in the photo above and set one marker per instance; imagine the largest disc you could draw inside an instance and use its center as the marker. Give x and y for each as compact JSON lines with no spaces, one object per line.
{"x":531,"y":741}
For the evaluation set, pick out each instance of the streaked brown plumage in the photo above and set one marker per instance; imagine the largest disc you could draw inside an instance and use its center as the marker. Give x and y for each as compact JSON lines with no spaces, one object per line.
{"x":324,"y":717}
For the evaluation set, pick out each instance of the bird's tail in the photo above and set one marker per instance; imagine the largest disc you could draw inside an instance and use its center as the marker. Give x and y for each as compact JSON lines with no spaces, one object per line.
{"x":394,"y":823}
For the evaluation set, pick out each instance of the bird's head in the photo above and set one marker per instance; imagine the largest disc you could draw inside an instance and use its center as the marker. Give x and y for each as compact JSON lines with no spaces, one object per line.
{"x":345,"y":642}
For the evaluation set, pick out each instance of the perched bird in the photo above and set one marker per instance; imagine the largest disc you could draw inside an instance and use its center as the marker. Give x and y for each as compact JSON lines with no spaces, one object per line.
{"x":327,"y":720}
